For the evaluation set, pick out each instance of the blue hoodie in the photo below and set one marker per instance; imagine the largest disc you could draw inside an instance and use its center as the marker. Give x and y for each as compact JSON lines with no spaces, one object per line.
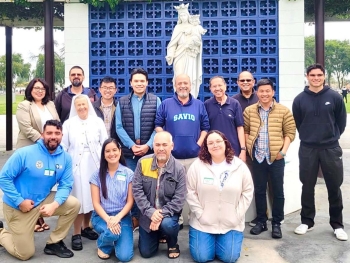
{"x":184,"y":123}
{"x":32,"y":171}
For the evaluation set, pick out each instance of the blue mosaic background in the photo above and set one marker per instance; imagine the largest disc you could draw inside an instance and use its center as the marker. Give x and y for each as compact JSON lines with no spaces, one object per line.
{"x":242,"y":35}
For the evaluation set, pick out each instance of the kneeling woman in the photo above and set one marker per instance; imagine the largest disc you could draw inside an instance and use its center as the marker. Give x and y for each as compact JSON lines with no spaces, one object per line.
{"x":219,"y":192}
{"x":111,"y":193}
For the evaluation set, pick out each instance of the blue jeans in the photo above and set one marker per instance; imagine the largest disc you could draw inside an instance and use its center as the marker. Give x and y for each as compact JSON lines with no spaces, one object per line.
{"x":132,"y":163}
{"x":123,"y":244}
{"x":261,"y":172}
{"x":149,"y":242}
{"x":204,"y":246}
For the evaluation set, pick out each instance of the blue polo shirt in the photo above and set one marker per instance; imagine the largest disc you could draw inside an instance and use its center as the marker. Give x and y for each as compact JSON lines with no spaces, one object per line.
{"x":226,"y":118}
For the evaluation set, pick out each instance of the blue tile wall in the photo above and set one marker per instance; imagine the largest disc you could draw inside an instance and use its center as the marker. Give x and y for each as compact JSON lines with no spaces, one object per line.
{"x":242,"y":35}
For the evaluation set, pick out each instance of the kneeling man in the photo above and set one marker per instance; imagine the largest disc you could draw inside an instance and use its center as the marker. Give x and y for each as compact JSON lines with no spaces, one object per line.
{"x":26,"y":180}
{"x":159,"y":188}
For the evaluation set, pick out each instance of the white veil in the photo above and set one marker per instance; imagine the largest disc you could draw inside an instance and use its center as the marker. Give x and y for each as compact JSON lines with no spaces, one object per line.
{"x":73,"y":111}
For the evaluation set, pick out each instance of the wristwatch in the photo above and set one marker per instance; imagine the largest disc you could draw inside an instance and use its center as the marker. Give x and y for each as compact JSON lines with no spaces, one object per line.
{"x":243,"y":148}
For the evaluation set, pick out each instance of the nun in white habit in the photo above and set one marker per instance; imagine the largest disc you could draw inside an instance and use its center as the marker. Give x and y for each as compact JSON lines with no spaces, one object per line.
{"x":83,"y":136}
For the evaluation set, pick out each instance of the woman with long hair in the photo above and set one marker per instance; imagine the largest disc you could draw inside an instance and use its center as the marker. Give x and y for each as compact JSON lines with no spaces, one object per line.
{"x":111,"y":193}
{"x":32,"y":114}
{"x":219,"y":192}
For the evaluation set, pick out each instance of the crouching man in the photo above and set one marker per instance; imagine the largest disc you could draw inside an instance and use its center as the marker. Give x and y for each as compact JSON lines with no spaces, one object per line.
{"x":159,"y":188}
{"x":26,"y":180}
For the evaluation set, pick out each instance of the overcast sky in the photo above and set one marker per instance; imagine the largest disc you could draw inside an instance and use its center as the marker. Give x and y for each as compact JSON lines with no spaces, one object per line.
{"x":28,"y":42}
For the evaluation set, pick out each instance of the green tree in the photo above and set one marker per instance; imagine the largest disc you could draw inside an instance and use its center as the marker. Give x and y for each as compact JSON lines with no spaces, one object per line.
{"x":337,"y":58}
{"x":39,"y":70}
{"x":20,"y":70}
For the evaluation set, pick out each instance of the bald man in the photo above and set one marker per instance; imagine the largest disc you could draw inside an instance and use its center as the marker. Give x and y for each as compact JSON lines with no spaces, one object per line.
{"x":246,"y":96}
{"x":186,"y":119}
{"x":159,"y":189}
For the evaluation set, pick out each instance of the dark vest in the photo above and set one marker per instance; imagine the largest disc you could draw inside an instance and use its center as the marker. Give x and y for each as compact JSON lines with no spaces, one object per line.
{"x":148,"y":115}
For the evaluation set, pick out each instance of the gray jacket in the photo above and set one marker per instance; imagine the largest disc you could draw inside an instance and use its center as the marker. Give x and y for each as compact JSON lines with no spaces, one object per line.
{"x":172,"y":189}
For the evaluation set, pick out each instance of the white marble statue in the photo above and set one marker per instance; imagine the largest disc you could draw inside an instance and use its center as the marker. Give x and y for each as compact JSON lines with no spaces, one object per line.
{"x":184,"y":50}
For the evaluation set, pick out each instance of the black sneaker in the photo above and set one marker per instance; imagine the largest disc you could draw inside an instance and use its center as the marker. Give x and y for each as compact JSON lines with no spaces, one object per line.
{"x":181,"y":226}
{"x":77,"y":244}
{"x":89,"y":233}
{"x":259,"y":227}
{"x":1,"y":227}
{"x":253,"y":222}
{"x":59,"y":249}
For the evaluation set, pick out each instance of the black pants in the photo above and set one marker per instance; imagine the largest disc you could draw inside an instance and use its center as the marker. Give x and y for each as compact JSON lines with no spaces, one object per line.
{"x":261,"y":173}
{"x":345,"y":96}
{"x":332,"y":167}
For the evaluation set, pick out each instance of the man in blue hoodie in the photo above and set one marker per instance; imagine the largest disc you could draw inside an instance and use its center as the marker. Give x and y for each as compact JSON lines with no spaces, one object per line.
{"x":186,"y":119}
{"x":26,"y":181}
{"x":320,"y":117}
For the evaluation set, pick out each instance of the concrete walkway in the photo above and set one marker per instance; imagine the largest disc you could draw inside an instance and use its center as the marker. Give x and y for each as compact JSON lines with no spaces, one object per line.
{"x":319,"y":245}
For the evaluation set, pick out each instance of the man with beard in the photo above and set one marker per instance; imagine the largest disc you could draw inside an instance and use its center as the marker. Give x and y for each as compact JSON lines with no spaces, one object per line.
{"x":63,"y":100}
{"x":159,"y":189}
{"x":26,"y":181}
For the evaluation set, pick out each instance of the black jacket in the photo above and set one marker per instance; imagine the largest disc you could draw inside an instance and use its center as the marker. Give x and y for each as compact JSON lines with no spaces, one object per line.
{"x":320,"y":117}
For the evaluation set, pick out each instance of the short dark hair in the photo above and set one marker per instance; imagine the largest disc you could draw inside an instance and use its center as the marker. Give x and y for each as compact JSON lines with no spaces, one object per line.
{"x":204,"y":154}
{"x":315,"y":66}
{"x":138,"y":71}
{"x":263,"y":82}
{"x":104,"y":165}
{"x":28,"y":92}
{"x":54,"y":123}
{"x":108,"y":79}
{"x":217,"y":77}
{"x":78,"y":67}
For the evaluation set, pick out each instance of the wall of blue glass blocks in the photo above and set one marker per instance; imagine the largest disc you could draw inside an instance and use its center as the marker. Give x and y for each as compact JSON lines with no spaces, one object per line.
{"x":242,"y":35}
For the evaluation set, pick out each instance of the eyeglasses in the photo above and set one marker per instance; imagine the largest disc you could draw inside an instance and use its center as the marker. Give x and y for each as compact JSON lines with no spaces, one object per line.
{"x":316,"y":75}
{"x":39,"y":89}
{"x":214,"y":143}
{"x":108,"y":88}
{"x":245,"y":80}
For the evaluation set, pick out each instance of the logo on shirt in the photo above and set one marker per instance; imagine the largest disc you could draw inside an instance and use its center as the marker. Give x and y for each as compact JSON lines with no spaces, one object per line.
{"x":58,"y":166}
{"x":39,"y":164}
{"x":327,"y":103}
{"x":184,"y":116}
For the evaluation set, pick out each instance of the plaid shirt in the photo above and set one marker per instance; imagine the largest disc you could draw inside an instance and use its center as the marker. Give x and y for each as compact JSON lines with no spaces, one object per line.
{"x":261,"y":145}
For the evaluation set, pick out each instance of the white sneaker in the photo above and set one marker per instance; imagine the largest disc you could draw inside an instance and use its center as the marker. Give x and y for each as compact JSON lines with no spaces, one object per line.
{"x":302,"y":229}
{"x":340,"y":234}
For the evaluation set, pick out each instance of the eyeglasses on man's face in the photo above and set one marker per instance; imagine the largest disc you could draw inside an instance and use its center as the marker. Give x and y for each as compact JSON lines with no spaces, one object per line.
{"x":245,"y":80}
{"x":108,"y":88}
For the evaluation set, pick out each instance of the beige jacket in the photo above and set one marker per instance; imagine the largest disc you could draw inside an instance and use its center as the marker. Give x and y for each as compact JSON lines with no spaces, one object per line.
{"x":29,"y":122}
{"x":214,"y":211}
{"x":280,"y":124}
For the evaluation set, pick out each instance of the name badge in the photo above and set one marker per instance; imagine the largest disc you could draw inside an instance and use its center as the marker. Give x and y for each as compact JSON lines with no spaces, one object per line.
{"x":207,"y":180}
{"x":121,"y":177}
{"x":48,"y":172}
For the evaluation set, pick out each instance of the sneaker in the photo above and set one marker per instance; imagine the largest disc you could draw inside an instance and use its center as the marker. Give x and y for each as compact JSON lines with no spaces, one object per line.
{"x":253,"y":222}
{"x":59,"y":249}
{"x":1,"y":227}
{"x":302,"y":229}
{"x":276,"y":231}
{"x":259,"y":227}
{"x":340,"y":234}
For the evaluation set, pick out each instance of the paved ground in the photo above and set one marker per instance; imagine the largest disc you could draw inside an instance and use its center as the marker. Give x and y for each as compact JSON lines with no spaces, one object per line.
{"x":316,"y":246}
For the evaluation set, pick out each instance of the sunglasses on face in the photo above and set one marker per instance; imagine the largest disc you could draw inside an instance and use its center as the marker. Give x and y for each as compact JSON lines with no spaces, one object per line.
{"x":245,"y":80}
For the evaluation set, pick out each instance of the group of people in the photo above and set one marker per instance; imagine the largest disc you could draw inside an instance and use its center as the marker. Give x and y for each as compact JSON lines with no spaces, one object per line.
{"x":140,"y":162}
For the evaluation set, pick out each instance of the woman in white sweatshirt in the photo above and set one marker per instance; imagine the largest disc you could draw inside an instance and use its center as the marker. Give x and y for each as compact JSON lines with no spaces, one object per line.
{"x":219,"y":192}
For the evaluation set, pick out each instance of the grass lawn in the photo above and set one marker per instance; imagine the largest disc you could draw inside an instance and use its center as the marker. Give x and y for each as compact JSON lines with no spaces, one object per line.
{"x":348,"y":104}
{"x":19,"y":98}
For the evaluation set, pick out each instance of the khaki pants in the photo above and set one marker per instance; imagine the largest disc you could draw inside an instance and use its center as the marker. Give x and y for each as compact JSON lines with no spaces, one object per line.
{"x":183,"y":219}
{"x":19,"y":239}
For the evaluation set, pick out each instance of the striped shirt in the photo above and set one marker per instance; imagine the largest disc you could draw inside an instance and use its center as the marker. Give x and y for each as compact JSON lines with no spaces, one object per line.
{"x":117,"y":189}
{"x":262,"y":149}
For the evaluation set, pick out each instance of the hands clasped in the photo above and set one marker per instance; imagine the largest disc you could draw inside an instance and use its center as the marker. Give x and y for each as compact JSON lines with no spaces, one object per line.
{"x":113,"y":224}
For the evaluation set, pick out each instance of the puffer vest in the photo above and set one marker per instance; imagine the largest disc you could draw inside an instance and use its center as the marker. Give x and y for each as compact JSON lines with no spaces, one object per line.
{"x":148,"y":115}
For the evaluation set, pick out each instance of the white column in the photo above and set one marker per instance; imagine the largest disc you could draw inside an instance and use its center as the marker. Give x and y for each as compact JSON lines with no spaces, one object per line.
{"x":76,"y":37}
{"x":291,"y":83}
